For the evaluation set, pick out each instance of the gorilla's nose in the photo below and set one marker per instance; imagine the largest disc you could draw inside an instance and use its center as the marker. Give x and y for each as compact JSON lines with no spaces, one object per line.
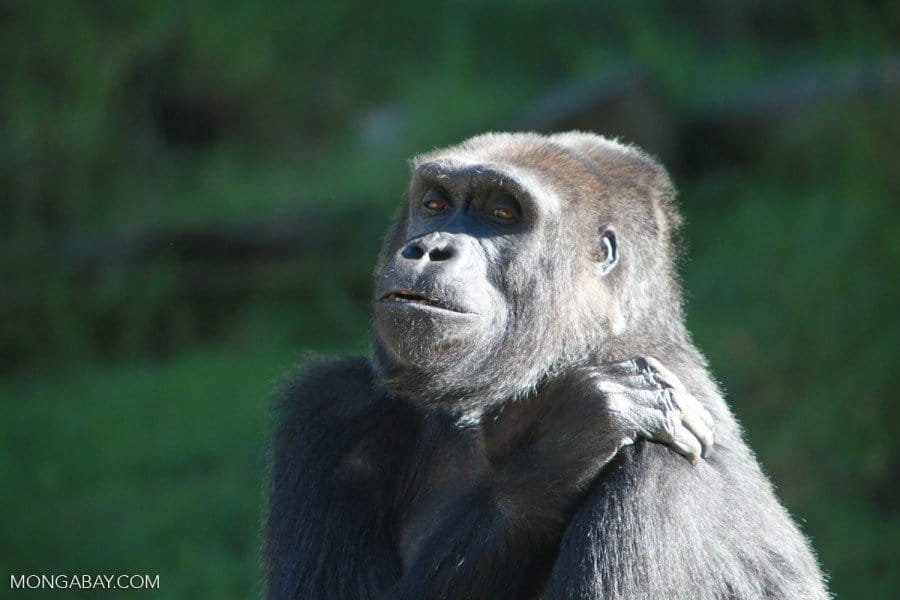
{"x":434,"y":247}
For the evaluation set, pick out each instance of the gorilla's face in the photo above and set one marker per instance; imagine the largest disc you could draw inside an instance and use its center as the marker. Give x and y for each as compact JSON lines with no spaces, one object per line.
{"x":445,"y":296}
{"x":496,"y":273}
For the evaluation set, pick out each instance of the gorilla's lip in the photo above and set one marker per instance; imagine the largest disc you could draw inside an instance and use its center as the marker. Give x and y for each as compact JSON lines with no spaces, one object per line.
{"x":409,"y":297}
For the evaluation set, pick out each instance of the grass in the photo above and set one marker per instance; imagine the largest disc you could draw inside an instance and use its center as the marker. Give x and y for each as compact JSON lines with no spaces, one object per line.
{"x":140,"y":467}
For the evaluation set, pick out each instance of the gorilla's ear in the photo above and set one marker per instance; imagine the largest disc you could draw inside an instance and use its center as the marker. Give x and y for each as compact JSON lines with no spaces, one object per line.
{"x":609,"y":251}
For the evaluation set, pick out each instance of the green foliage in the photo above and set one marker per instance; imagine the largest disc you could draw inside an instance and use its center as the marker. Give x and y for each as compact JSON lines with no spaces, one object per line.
{"x":791,"y":294}
{"x":133,"y":417}
{"x":139,"y":468}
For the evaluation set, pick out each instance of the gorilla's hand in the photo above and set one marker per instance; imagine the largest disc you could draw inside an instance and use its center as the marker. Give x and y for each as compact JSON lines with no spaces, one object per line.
{"x":587,"y":415}
{"x":646,"y":400}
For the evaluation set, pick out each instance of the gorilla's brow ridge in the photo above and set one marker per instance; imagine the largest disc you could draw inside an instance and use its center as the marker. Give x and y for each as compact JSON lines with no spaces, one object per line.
{"x":519,"y":181}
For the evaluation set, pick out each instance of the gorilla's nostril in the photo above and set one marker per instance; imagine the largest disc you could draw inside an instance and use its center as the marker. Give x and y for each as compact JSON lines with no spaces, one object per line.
{"x":439,"y":254}
{"x":413,"y":252}
{"x":430,"y":249}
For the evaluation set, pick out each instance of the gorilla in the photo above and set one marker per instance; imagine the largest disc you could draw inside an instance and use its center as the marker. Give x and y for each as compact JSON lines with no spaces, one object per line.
{"x":521,"y":427}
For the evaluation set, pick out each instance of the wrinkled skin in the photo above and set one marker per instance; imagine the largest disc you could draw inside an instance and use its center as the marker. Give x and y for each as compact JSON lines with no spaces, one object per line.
{"x":527,"y":334}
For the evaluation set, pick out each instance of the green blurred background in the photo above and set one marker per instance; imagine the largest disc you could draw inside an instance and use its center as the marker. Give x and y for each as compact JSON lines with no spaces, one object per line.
{"x":192,"y":194}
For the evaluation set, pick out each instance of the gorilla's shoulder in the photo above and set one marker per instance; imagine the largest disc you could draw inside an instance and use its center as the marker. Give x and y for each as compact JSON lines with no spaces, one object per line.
{"x":329,"y":390}
{"x":327,"y":371}
{"x":327,"y":406}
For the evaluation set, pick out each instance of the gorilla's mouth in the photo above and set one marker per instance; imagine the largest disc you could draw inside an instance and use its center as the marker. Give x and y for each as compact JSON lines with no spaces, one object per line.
{"x":408,"y":297}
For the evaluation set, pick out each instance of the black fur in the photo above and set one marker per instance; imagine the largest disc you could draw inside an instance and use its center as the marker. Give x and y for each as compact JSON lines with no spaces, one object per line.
{"x":471,"y":458}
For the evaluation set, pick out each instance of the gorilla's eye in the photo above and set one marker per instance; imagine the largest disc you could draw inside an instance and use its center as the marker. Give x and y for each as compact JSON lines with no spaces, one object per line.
{"x":436,"y":200}
{"x":504,"y":209}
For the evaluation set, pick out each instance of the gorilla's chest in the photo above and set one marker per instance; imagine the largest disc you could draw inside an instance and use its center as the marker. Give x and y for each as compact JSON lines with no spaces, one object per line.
{"x":450,"y":474}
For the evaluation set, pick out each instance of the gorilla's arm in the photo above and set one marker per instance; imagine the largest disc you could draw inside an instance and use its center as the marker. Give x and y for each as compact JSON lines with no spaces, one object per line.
{"x":340,"y":481}
{"x":654,"y":527}
{"x":480,"y":550}
{"x":327,"y":532}
{"x":498,"y":539}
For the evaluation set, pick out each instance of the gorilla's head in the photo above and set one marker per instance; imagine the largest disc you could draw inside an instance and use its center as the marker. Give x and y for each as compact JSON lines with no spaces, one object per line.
{"x":515,"y":257}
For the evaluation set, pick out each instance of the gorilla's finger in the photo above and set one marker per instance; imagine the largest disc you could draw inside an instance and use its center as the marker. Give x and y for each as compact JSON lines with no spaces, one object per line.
{"x":685,"y":443}
{"x":641,"y":381}
{"x":645,"y":401}
{"x":687,"y":403}
{"x":607,"y":386}
{"x":691,"y":417}
{"x":664,"y":375}
{"x":666,"y":426}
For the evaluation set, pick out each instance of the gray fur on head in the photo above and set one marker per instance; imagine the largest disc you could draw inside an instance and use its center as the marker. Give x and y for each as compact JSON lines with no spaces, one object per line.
{"x":549,"y":318}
